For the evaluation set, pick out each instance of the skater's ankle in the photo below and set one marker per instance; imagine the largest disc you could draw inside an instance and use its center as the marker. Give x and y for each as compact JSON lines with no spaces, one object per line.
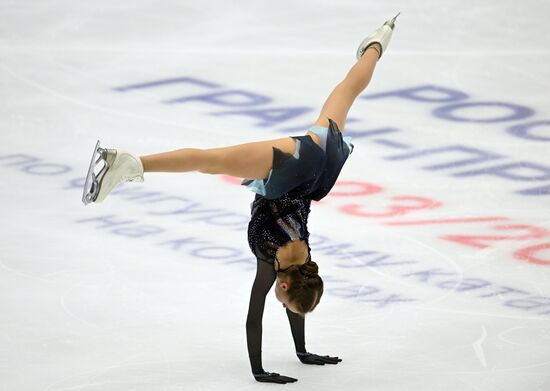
{"x":144,"y":163}
{"x":376,"y":46}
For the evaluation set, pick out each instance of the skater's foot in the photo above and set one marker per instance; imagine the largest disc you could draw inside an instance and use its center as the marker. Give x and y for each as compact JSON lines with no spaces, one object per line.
{"x":116,"y":167}
{"x":381,"y":38}
{"x":120,"y":166}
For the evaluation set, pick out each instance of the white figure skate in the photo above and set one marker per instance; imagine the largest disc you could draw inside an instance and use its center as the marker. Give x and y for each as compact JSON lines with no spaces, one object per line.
{"x":381,"y":36}
{"x":118,"y":166}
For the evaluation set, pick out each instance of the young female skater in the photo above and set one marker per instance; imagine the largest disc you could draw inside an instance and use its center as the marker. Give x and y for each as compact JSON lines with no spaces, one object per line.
{"x":286,"y":174}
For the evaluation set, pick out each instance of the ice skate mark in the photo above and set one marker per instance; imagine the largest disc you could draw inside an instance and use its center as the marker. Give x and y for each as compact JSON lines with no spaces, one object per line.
{"x":160,"y":83}
{"x":525,"y":335}
{"x":89,"y":378}
{"x":478,"y":349}
{"x":22,"y":274}
{"x":393,"y":144}
{"x":83,"y":103}
{"x":63,"y":303}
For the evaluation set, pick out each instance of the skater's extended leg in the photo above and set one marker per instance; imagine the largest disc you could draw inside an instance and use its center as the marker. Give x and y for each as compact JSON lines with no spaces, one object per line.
{"x":342,"y":97}
{"x":252,"y":160}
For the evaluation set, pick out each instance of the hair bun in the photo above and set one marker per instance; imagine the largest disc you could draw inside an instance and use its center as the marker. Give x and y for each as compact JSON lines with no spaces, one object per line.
{"x":309,"y":269}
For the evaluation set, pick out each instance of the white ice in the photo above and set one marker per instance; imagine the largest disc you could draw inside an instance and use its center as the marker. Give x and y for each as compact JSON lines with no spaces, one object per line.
{"x":125,"y":303}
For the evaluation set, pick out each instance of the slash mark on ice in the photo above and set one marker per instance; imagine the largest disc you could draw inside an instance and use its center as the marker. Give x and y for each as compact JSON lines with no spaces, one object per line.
{"x":478,"y":349}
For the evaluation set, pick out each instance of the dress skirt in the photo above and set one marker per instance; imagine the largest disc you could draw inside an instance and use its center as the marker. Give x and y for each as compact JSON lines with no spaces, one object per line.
{"x":311,"y":172}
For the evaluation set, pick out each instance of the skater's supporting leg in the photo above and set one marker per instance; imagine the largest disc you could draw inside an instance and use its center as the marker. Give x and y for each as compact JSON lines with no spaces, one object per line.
{"x":342,"y":97}
{"x":251,"y":160}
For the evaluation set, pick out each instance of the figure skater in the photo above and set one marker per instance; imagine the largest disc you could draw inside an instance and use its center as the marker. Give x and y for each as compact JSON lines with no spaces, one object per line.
{"x":286,"y":174}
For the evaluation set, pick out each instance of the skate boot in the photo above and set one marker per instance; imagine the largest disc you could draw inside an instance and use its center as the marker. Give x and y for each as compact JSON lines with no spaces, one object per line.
{"x":381,"y":36}
{"x":118,"y":166}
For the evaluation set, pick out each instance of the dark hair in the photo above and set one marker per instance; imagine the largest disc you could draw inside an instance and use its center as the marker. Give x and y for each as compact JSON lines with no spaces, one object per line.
{"x":305,"y":286}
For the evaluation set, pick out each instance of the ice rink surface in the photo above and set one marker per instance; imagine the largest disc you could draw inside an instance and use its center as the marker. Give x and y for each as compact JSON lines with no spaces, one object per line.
{"x":434,"y":244}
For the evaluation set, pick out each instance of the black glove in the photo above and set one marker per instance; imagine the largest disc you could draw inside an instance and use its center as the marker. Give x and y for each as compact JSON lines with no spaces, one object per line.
{"x":314,"y":359}
{"x":267,"y":377}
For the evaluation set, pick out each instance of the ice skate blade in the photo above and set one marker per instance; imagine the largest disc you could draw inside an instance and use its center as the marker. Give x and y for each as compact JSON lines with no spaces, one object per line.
{"x":108,"y":156}
{"x":391,"y":22}
{"x":90,"y":183}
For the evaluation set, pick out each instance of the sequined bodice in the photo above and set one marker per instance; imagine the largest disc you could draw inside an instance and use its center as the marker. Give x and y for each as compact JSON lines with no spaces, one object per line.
{"x":276,"y":222}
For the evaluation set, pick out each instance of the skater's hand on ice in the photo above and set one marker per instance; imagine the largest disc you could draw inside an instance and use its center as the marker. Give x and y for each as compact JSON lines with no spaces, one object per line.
{"x":314,"y":359}
{"x":267,"y":377}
